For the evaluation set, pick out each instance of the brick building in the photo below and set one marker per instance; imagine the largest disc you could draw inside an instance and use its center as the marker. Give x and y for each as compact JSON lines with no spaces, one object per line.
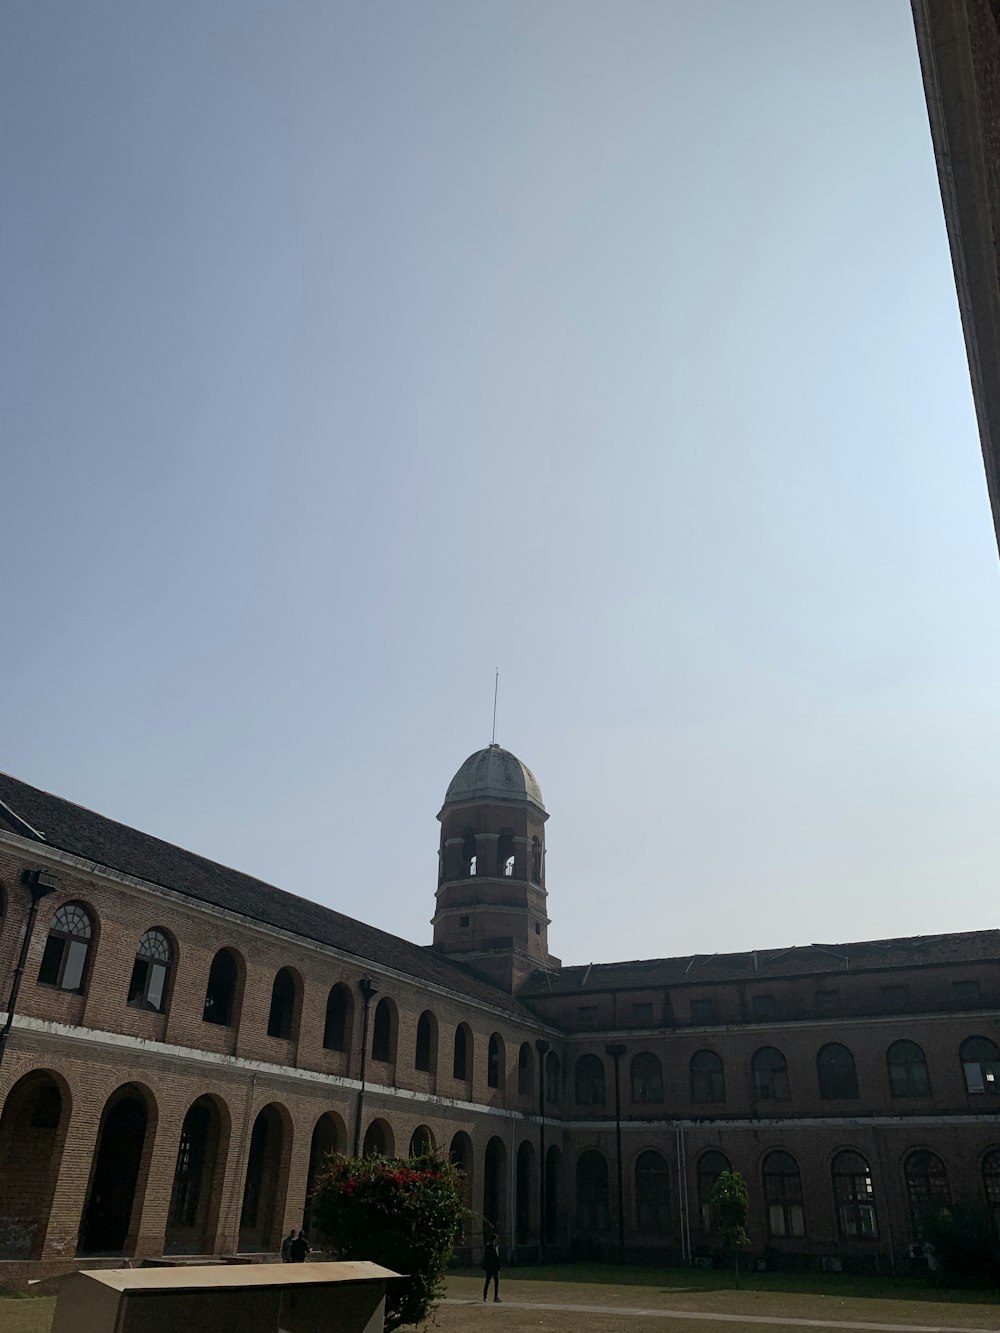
{"x":185,"y":1043}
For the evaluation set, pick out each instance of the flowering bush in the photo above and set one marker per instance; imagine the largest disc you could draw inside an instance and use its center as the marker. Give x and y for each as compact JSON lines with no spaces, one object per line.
{"x":401,"y":1214}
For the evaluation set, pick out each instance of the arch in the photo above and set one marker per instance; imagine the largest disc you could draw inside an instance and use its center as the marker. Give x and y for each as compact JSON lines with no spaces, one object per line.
{"x":783,"y":1195}
{"x":224,"y":989}
{"x":385,"y":1028}
{"x":980,"y":1059}
{"x":588,"y":1080}
{"x":708,"y":1078}
{"x":854,"y":1195}
{"x":379,"y":1139}
{"x":646,"y":1077}
{"x":286,"y":997}
{"x":907,"y":1067}
{"x":328,"y":1137}
{"x":469,"y":854}
{"x":524,"y":1187}
{"x":505,"y":853}
{"x":67,"y":948}
{"x":927,"y":1189}
{"x":525,"y":1070}
{"x":495,"y":1188}
{"x":196,"y":1193}
{"x":536,"y":860}
{"x":770,"y":1075}
{"x":711,"y":1165}
{"x":148,"y":987}
{"x":339,"y":1022}
{"x":461,"y":1060}
{"x":991,"y":1185}
{"x":553,"y":1077}
{"x":838,"y":1079}
{"x":652,"y":1194}
{"x":117,"y":1175}
{"x":425,"y":1050}
{"x":593,"y":1215}
{"x":266,"y":1180}
{"x":36,"y":1115}
{"x":553,"y":1193}
{"x":496,"y":1061}
{"x":460,"y":1154}
{"x":421,"y":1142}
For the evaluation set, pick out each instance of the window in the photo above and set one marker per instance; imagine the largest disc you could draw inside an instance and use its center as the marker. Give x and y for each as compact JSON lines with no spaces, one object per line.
{"x":281,"y":1015}
{"x":468,"y":854}
{"x":855,"y":1197}
{"x":966,"y":992}
{"x":425,"y":1041}
{"x":708,"y":1083}
{"x":148,"y":987}
{"x":383,"y":1036}
{"x":980,"y":1064}
{"x":525,"y":1070}
{"x":339,"y":1012}
{"x":827,"y":1001}
{"x":505,"y":854}
{"x":463,"y":921}
{"x":589,"y":1081}
{"x":702,"y":1011}
{"x":991,"y":1184}
{"x":538,"y":927}
{"x":536,"y":861}
{"x":762,"y":1006}
{"x":770,"y":1075}
{"x":838,"y":1078}
{"x":494,"y":1062}
{"x":908,"y":1075}
{"x":642,"y":1012}
{"x":592,"y":1212}
{"x":783,"y":1195}
{"x":893,"y":999}
{"x":926,"y":1185}
{"x":652,"y":1194}
{"x":64,"y":961}
{"x":647,"y":1079}
{"x":220,"y":994}
{"x":711,"y":1165}
{"x":588,"y":1015}
{"x":460,"y":1058}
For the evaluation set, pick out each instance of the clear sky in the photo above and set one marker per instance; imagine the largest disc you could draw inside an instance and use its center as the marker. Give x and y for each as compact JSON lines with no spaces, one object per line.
{"x":351,"y":350}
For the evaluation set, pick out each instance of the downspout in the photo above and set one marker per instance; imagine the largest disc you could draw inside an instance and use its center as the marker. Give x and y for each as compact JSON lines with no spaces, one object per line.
{"x":39,"y":885}
{"x":542,"y":1048}
{"x":888,"y":1201}
{"x":616,"y":1050}
{"x":368,"y":990}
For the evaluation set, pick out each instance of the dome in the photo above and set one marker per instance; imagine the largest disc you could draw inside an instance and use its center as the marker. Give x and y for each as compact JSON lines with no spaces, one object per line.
{"x":494,"y":774}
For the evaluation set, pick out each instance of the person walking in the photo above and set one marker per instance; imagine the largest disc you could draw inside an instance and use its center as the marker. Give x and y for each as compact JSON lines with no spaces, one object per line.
{"x":491,"y":1267}
{"x":286,"y":1247}
{"x":298,"y":1249}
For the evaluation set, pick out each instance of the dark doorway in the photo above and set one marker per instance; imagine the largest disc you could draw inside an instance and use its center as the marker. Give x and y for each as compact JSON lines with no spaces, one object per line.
{"x":523,"y":1200}
{"x":327,"y":1134}
{"x":32,"y":1134}
{"x":494,"y":1188}
{"x":111,"y":1200}
{"x":553,"y":1193}
{"x":194,"y":1201}
{"x":262,"y":1214}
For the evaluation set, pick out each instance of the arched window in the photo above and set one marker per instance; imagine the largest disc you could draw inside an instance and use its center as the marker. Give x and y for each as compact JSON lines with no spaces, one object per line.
{"x":525,"y":1070}
{"x":460,"y":1059}
{"x":646,"y":1078}
{"x":383,"y":1033}
{"x":589,"y":1080}
{"x":468,"y":854}
{"x":711,"y":1165}
{"x":339,"y":1017}
{"x":378,"y":1140}
{"x":64,"y":961}
{"x":926,"y":1185}
{"x":281,"y":1016}
{"x":991,"y":1184}
{"x":421,"y":1142}
{"x":592,"y":1213}
{"x":652,"y":1194}
{"x":908,"y":1075}
{"x":980,"y":1064}
{"x":855,"y":1197}
{"x":838,"y":1078}
{"x":536,"y":861}
{"x":505,"y":853}
{"x":708,"y":1080}
{"x":553,"y":1074}
{"x":147,"y":988}
{"x":495,"y":1062}
{"x":424,"y":1051}
{"x":783,"y":1195}
{"x":220,"y":994}
{"x":770,"y":1075}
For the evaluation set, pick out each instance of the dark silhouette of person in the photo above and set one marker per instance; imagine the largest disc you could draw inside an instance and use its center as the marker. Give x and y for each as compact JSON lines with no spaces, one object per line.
{"x":298,"y":1249}
{"x":286,"y":1247}
{"x":491,"y":1267}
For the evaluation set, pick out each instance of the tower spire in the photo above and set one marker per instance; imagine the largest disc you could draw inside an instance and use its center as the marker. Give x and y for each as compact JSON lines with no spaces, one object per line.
{"x":496,"y":690}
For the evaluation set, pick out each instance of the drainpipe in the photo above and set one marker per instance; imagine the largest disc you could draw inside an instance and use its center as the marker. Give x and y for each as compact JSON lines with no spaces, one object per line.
{"x":39,"y":884}
{"x":368,"y":990}
{"x":542,"y":1048}
{"x":616,"y":1050}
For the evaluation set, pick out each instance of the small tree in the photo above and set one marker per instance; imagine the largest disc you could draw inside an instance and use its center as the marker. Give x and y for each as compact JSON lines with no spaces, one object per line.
{"x":401,"y":1214}
{"x":730,"y":1203}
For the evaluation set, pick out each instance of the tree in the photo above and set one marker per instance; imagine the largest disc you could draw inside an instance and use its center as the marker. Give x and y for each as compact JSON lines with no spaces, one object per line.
{"x":730,"y":1203}
{"x":401,"y":1214}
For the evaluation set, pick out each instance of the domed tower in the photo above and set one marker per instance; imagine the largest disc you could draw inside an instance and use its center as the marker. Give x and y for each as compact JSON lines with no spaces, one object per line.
{"x":491,"y":877}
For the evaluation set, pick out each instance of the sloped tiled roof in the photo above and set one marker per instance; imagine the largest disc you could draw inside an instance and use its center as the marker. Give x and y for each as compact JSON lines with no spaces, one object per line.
{"x":28,"y":811}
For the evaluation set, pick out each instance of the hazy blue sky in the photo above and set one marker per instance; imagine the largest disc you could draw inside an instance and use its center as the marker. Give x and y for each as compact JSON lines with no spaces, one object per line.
{"x":351,"y":350}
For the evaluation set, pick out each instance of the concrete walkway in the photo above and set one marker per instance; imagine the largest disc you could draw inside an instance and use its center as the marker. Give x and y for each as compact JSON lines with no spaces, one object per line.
{"x":771,"y":1320}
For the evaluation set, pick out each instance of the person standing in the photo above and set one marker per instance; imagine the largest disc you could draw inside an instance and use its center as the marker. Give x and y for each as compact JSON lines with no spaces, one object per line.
{"x":491,"y":1267}
{"x":298,"y":1249}
{"x":286,"y":1247}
